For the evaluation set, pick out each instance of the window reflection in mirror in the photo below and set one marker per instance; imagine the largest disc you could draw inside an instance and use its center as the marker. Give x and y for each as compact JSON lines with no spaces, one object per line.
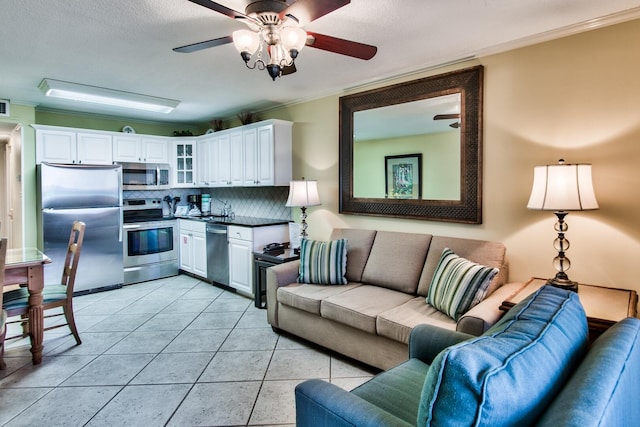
{"x":430,"y":127}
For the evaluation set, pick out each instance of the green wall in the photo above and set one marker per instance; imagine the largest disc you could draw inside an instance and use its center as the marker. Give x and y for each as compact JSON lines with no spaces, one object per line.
{"x":114,"y":124}
{"x":440,"y":164}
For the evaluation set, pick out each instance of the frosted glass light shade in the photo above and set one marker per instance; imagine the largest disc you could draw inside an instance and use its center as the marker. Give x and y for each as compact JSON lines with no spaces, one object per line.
{"x":303,"y":194}
{"x":246,"y":41}
{"x":562,"y":187}
{"x":293,"y":38}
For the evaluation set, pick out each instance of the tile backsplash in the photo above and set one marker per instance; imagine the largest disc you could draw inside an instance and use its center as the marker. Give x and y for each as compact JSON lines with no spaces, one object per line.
{"x":259,"y":202}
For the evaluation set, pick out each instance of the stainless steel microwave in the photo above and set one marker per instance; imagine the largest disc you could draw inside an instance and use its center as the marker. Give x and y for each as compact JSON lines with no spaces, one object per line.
{"x":145,"y":176}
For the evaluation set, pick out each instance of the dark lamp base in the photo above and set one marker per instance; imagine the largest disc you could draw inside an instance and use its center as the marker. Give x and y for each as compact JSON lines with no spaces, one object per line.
{"x":563,"y":284}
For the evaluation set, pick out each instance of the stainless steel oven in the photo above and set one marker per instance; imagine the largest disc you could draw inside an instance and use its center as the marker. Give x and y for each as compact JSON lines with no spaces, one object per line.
{"x":150,"y":242}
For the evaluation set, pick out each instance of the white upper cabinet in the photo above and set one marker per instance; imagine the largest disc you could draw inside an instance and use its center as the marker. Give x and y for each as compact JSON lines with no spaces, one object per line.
{"x":59,"y":145}
{"x":258,"y":154}
{"x":155,"y":149}
{"x":267,"y":154}
{"x":225,"y":159}
{"x":184,"y":162}
{"x":140,"y":149}
{"x":236,"y":149}
{"x":203,"y":147}
{"x":127,"y":148}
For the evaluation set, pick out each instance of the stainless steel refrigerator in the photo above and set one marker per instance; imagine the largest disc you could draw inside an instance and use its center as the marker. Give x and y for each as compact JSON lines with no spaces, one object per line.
{"x":91,"y":194}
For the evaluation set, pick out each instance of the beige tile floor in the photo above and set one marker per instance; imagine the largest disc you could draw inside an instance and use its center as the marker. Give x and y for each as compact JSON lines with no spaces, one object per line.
{"x":169,"y":352}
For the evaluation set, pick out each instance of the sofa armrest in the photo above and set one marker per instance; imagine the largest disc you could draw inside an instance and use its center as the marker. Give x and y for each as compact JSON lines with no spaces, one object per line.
{"x":426,"y":341}
{"x":279,"y":275}
{"x":319,"y":403}
{"x":603,"y":390}
{"x":485,"y":314}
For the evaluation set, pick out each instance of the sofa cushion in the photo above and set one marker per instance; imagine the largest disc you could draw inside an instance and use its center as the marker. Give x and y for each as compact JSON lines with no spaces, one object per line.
{"x":323,"y":263}
{"x":398,"y":322}
{"x":397,"y":390}
{"x":359,"y":244}
{"x":509,"y":375}
{"x":307,"y":297}
{"x":360,"y":306}
{"x":396,"y":260}
{"x":458,"y":284}
{"x":491,"y":254}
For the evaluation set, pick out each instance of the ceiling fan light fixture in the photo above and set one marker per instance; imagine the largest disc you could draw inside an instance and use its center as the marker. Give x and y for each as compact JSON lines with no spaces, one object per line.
{"x":274,"y":32}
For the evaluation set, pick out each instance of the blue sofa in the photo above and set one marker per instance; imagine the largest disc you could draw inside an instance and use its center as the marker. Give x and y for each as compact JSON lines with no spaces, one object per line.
{"x":534,"y":367}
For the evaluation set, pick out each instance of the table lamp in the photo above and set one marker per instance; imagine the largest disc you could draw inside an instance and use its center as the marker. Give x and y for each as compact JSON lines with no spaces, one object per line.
{"x":561,"y":188}
{"x":303,"y":194}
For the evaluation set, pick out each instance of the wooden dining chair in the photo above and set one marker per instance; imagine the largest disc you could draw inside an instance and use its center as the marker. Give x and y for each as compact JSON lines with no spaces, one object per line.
{"x":16,"y":302}
{"x":3,"y":313}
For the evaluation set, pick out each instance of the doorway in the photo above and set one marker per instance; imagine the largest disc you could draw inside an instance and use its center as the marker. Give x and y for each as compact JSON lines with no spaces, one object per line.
{"x":11,"y":196}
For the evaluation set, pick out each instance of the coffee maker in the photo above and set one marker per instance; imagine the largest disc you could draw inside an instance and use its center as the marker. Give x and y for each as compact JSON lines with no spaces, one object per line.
{"x":193,"y":201}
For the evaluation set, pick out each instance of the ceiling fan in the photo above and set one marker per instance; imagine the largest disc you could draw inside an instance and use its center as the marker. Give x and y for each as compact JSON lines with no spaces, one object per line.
{"x":454,"y":125}
{"x":275,"y":32}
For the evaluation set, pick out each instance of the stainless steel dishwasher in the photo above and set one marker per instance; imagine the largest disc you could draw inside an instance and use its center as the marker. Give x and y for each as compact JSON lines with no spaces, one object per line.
{"x":217,"y":254}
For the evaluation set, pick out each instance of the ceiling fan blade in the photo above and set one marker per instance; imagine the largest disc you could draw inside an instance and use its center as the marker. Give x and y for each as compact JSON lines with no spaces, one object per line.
{"x":305,"y":11}
{"x":341,"y":46}
{"x":203,"y":45}
{"x":289,"y":69}
{"x":219,"y":8}
{"x":446,"y":116}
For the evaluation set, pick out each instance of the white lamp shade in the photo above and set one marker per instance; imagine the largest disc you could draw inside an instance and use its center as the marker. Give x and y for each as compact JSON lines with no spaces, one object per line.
{"x":562,"y":187}
{"x":293,"y":38}
{"x":303,"y":193}
{"x":246,"y":41}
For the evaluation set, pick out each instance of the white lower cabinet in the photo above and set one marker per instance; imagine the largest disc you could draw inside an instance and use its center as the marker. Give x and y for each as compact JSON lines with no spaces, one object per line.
{"x":243,"y":241}
{"x":193,"y":247}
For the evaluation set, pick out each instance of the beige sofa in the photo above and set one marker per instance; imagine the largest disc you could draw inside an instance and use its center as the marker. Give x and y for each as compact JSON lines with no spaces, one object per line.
{"x":370,"y":318}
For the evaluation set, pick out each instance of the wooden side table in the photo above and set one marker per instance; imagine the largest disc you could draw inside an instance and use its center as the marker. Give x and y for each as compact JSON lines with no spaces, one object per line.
{"x":603,"y":306}
{"x":262,"y":261}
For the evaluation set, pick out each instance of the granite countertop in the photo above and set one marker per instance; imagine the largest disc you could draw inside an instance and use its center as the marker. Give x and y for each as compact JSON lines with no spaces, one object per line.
{"x":243,"y":221}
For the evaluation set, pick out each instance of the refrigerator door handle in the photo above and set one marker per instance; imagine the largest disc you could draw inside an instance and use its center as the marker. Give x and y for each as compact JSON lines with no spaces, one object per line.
{"x":121,"y":227}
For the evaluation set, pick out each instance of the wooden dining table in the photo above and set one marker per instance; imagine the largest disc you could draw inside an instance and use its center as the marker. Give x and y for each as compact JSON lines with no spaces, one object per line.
{"x":25,"y":266}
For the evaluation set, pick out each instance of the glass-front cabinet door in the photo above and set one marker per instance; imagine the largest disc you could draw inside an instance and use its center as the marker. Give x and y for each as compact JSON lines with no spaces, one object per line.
{"x":184,"y":163}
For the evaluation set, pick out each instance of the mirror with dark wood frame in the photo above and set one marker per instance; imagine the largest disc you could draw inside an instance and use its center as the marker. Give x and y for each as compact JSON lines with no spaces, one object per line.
{"x":414,"y":149}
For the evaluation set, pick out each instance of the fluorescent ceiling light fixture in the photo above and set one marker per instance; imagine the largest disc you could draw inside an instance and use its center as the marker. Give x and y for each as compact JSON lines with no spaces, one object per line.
{"x":99,"y":95}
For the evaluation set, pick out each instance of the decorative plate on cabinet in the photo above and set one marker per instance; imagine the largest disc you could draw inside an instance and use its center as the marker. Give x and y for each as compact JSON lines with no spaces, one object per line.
{"x":128,"y":129}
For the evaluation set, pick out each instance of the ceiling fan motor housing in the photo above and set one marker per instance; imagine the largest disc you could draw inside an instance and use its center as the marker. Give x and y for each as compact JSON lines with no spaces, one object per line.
{"x":266,"y":6}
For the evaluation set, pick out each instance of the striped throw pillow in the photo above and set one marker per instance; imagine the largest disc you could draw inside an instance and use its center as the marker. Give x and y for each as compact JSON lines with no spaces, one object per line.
{"x":458,"y":284}
{"x":323,"y":263}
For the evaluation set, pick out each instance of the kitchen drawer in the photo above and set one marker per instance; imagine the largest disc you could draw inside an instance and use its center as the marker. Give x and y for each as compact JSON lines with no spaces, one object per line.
{"x":190,"y":225}
{"x":241,"y":233}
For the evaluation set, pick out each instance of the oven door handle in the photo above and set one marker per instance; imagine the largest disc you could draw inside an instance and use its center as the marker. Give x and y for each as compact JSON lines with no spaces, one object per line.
{"x":130,"y":226}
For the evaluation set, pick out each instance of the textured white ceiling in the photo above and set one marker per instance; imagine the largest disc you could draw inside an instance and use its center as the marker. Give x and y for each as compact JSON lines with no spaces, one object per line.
{"x":126,"y":45}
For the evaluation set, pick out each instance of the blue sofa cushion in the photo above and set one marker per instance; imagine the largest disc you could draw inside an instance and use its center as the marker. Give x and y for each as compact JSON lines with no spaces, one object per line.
{"x":396,"y":391}
{"x":510,"y":374}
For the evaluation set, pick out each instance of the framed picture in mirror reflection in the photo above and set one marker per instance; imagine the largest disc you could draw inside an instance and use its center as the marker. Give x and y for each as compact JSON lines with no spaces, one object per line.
{"x":403,"y":176}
